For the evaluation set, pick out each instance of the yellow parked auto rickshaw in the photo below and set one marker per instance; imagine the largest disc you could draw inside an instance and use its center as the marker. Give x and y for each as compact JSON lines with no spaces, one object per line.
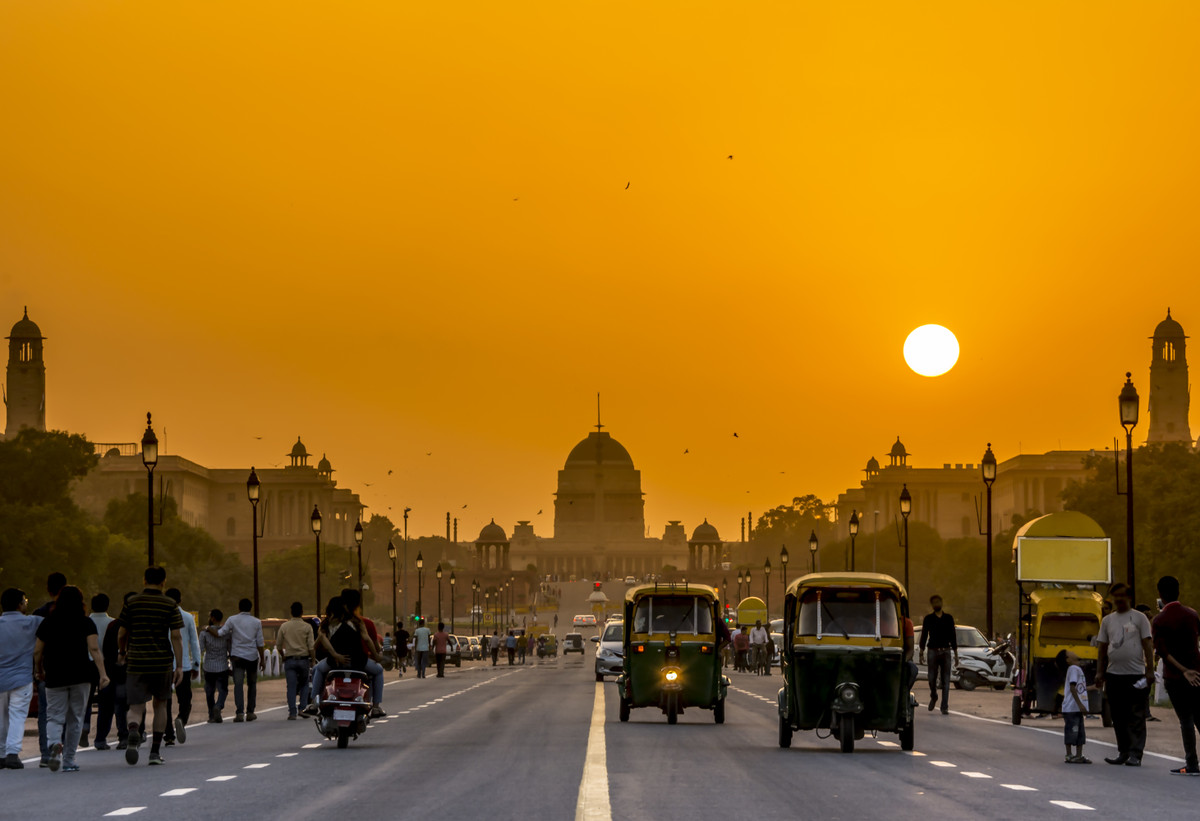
{"x":844,"y":665}
{"x":672,"y":651}
{"x":1053,"y":620}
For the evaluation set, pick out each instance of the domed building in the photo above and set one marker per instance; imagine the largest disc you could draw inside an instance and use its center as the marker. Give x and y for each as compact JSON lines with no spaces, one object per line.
{"x":25,"y":397}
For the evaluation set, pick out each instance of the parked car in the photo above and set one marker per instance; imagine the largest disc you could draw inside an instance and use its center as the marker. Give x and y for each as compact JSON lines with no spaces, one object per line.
{"x":977,"y":667}
{"x":453,"y":652}
{"x":476,"y":648}
{"x":610,"y":655}
{"x":572,"y":643}
{"x":584,"y":621}
{"x":464,"y":645}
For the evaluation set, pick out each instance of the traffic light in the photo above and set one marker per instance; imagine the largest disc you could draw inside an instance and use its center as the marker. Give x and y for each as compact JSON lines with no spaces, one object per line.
{"x":596,"y":585}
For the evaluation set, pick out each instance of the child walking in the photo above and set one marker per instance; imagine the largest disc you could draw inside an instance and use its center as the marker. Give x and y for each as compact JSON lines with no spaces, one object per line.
{"x":1074,"y":706}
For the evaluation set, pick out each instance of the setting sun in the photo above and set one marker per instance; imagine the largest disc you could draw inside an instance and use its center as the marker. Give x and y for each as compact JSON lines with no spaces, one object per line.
{"x":931,"y":350}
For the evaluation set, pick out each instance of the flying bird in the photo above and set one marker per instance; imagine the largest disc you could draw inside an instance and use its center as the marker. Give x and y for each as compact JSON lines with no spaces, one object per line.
{"x":539,"y":513}
{"x":730,"y":157}
{"x":735,"y":436}
{"x":685,"y":450}
{"x":430,"y":453}
{"x":367,"y":484}
{"x":258,"y":437}
{"x":464,"y":507}
{"x":389,"y":473}
{"x":626,"y":186}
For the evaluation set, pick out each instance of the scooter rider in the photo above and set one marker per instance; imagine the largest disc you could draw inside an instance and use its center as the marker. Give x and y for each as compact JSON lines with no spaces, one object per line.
{"x":345,"y":639}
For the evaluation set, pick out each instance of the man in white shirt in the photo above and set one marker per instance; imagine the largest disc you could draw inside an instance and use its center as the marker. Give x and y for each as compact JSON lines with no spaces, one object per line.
{"x":1126,"y":661}
{"x":191,"y":672}
{"x":102,"y":620}
{"x":246,"y":654}
{"x":758,"y":645}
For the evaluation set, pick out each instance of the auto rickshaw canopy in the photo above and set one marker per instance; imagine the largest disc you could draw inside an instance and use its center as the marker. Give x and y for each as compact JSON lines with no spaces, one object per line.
{"x":750,"y":610}
{"x":847,"y":579}
{"x":655,"y":610}
{"x":1066,"y":547}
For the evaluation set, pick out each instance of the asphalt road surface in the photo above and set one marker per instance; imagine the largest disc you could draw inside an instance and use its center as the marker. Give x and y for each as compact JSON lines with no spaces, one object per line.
{"x":543,"y":741}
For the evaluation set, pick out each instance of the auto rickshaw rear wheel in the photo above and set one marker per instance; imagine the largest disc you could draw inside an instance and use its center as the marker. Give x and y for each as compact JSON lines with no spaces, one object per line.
{"x":846,"y":732}
{"x":785,"y":733}
{"x":719,"y":711}
{"x":906,"y":738}
{"x":624,"y":709}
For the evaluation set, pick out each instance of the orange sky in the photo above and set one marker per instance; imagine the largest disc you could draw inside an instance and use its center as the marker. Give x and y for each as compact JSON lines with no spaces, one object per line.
{"x":401,"y":228}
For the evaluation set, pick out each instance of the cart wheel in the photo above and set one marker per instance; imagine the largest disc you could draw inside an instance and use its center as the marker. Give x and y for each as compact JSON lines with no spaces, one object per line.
{"x":1016,"y":709}
{"x":846,"y":732}
{"x":906,"y":738}
{"x":624,"y":709}
{"x":343,"y":737}
{"x":719,"y":711}
{"x":785,"y":733}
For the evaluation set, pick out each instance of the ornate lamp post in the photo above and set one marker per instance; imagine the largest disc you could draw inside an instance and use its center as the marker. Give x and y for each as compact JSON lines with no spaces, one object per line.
{"x":767,"y":584}
{"x":1128,"y":403}
{"x":749,"y":589}
{"x":487,"y":605}
{"x":853,"y":536}
{"x":905,"y":509}
{"x":358,"y":537}
{"x":437,"y":571}
{"x":452,"y":582}
{"x":812,"y":549}
{"x":316,"y":529}
{"x":739,"y":584}
{"x":404,"y":563}
{"x":420,"y":584}
{"x":149,"y":459}
{"x":988,"y":467}
{"x":512,"y":599}
{"x":392,"y":557}
{"x":253,"y":489}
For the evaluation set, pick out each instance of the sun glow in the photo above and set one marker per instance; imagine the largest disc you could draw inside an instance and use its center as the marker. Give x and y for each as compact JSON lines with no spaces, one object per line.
{"x":931,"y":350}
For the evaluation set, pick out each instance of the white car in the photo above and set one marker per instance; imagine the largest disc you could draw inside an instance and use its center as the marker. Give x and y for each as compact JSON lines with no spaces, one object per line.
{"x":631,"y":580}
{"x":584,"y":621}
{"x":610,"y":650}
{"x":978,"y":667}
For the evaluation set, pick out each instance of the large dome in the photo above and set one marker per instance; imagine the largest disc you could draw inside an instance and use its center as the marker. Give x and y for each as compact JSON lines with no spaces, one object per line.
{"x":26,"y":328}
{"x":599,"y":449}
{"x":492,"y":533}
{"x":705,"y":533}
{"x":1168,"y":328}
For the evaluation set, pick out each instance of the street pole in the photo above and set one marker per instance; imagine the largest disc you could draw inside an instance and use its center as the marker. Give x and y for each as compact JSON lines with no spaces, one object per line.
{"x":988,"y":467}
{"x":905,"y":509}
{"x":438,"y":572}
{"x":316,"y":529}
{"x":253,"y":488}
{"x":149,"y":459}
{"x":391,"y":551}
{"x":451,"y":601}
{"x":1129,"y":406}
{"x":853,"y":536}
{"x":405,"y":564}
{"x":358,"y":540}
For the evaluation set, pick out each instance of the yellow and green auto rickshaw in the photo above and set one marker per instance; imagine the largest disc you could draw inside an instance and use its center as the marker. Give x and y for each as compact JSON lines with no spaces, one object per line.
{"x":1055,"y":619}
{"x":845,"y":667}
{"x":672,"y":651}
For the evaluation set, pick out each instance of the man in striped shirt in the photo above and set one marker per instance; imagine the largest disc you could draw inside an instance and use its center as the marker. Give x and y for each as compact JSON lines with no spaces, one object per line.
{"x":151,"y":647}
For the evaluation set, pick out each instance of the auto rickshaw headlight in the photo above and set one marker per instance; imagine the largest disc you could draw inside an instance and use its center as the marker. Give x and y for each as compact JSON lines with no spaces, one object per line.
{"x":848,"y":695}
{"x":672,"y":675}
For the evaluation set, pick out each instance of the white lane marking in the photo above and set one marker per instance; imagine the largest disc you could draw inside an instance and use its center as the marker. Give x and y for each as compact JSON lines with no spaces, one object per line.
{"x":1072,"y":805}
{"x":124,"y":811}
{"x":310,"y":747}
{"x":1019,"y":787}
{"x":975,"y":775}
{"x":915,"y":754}
{"x":286,"y":755}
{"x":223,"y":778}
{"x":1058,"y":733}
{"x":942,"y":764}
{"x":888,"y":744}
{"x":593,"y":803}
{"x":180,"y":791}
{"x":255,"y":766}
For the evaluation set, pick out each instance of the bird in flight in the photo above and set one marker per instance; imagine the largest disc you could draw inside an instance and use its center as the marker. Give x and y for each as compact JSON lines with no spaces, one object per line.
{"x":626,"y":186}
{"x":516,"y":198}
{"x":430,"y":453}
{"x":730,"y":157}
{"x":389,"y":473}
{"x":368,"y":484}
{"x":464,"y":507}
{"x":258,"y":437}
{"x":539,"y":513}
{"x":735,"y":436}
{"x":685,"y":450}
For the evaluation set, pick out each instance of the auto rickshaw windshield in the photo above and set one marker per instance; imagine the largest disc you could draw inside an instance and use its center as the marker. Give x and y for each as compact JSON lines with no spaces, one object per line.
{"x":848,"y":612}
{"x":1068,"y":628}
{"x":673,"y":614}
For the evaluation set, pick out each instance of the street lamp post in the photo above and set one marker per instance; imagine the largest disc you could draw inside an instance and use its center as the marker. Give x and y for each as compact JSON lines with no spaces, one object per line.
{"x":812,"y":549}
{"x":358,"y":537}
{"x":149,"y":459}
{"x":1128,"y":403}
{"x":767,"y":584}
{"x":853,"y":535}
{"x":783,"y":561}
{"x":905,"y":509}
{"x":474,"y":603}
{"x":316,"y":529}
{"x":988,"y":466}
{"x":512,"y":599}
{"x":253,"y":489}
{"x":437,"y":571}
{"x":404,"y":563}
{"x":452,"y":582}
{"x":749,"y":589}
{"x":392,"y":557}
{"x":739,"y":583}
{"x":420,"y":584}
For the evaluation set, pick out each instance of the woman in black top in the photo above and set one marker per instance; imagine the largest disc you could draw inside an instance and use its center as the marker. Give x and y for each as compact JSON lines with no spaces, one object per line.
{"x":65,"y":641}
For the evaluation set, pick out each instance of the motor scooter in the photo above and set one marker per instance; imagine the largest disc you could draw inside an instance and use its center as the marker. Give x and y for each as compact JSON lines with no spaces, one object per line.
{"x":344,"y":709}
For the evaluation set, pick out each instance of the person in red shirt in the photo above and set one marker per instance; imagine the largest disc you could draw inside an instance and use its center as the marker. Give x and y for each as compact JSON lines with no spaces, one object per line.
{"x":441,"y":643}
{"x":1176,"y":631}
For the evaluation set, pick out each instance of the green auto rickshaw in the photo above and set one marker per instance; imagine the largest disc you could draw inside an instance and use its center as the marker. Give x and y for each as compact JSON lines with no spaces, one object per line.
{"x":846,"y":661}
{"x":672,"y":651}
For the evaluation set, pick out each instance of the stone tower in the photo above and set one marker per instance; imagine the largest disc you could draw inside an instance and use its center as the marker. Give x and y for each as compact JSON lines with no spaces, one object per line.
{"x":25,"y":397}
{"x":1169,"y":392}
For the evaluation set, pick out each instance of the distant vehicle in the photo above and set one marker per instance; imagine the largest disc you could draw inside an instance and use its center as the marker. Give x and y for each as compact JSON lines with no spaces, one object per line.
{"x":466,"y":649}
{"x":584,"y":621}
{"x":572,"y":643}
{"x":631,"y":580}
{"x":610,"y":650}
{"x":978,"y":666}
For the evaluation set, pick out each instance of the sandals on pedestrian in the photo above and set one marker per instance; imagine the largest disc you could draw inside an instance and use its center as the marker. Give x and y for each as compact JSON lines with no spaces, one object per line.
{"x":1078,"y":759}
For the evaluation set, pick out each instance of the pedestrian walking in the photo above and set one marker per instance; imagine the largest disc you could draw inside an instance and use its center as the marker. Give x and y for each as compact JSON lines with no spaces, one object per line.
{"x":421,"y":639}
{"x":741,"y":647}
{"x":246,"y":652}
{"x":939,"y":633}
{"x":402,"y":638}
{"x":495,"y":645}
{"x":759,"y":636}
{"x":18,"y":640}
{"x":151,"y":647}
{"x":1125,"y":670}
{"x":113,"y":700}
{"x":531,"y":646}
{"x":54,"y":583}
{"x":295,"y":643}
{"x":520,"y":649}
{"x":1074,"y":706}
{"x":441,"y":642}
{"x":1176,"y":631}
{"x":177,"y":729}
{"x":102,"y":620}
{"x":66,"y":658}
{"x":215,"y":654}
{"x":510,"y":644}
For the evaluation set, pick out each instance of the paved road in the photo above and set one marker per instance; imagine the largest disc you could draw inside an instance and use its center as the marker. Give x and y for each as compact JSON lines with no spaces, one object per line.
{"x":543,"y":741}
